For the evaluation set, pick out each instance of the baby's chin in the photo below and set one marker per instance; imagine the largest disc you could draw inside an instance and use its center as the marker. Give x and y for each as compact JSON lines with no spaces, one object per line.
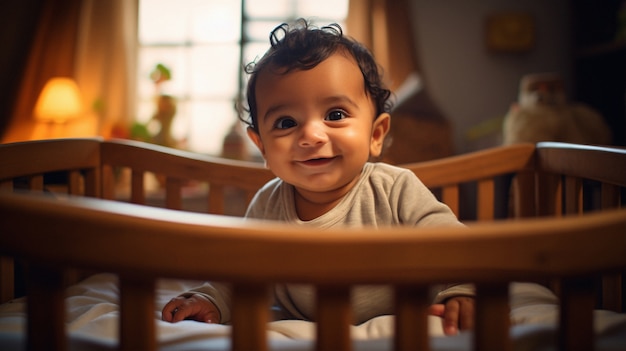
{"x":333,"y":190}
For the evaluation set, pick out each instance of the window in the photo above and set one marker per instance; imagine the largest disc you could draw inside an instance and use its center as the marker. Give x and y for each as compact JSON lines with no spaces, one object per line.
{"x":205,"y":44}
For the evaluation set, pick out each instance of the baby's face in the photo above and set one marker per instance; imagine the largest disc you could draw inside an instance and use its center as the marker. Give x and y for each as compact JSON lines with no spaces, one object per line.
{"x":317,"y":127}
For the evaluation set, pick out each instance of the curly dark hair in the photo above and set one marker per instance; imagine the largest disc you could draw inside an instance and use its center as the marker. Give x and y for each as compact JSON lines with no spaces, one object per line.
{"x":302,"y":46}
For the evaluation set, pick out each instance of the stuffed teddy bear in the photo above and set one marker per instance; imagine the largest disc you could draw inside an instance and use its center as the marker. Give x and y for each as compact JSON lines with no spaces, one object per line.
{"x":542,"y":113}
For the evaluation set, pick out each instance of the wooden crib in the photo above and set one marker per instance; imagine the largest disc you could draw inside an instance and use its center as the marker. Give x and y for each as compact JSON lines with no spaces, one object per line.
{"x":563,"y":227}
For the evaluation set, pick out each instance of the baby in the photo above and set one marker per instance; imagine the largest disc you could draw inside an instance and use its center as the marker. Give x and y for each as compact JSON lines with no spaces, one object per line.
{"x":319,"y":113}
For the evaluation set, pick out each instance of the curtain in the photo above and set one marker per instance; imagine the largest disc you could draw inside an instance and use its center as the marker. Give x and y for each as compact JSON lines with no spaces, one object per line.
{"x":106,"y":60}
{"x":93,"y":42}
{"x":384,"y":27}
{"x":419,"y":130}
{"x":50,"y":54}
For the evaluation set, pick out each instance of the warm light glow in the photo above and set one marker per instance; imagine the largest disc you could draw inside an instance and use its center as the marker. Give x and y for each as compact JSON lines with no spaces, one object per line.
{"x":59,"y":101}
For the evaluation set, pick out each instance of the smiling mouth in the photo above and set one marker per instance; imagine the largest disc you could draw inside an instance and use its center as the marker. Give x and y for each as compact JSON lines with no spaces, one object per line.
{"x":318,"y":161}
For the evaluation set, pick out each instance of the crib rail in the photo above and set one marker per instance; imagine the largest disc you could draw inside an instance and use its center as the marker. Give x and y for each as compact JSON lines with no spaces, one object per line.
{"x":174,"y":168}
{"x":133,"y":246}
{"x":94,"y":167}
{"x":74,"y":164}
{"x":546,"y":181}
{"x":483,"y":168}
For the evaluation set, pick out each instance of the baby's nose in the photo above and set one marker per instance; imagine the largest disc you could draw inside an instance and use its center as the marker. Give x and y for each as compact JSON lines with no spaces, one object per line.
{"x":313,"y":134}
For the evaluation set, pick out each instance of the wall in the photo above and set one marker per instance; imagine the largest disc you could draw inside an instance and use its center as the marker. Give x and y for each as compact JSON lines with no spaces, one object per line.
{"x":472,"y":86}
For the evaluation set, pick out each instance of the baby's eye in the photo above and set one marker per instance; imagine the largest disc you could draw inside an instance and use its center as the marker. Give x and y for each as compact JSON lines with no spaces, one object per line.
{"x":285,"y":123}
{"x":336,"y":115}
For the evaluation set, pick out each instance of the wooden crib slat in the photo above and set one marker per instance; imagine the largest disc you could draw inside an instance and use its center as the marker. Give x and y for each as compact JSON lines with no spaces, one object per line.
{"x":486,"y":199}
{"x":173,"y":193}
{"x":491,"y":330}
{"x":137,"y":324}
{"x":576,"y":314}
{"x":573,"y":200}
{"x":549,"y":195}
{"x":108,"y":183}
{"x":75,"y":183}
{"x":558,"y":198}
{"x":610,"y":196}
{"x":523,"y":195}
{"x":333,"y":317}
{"x":92,"y":182}
{"x":137,"y":190}
{"x":250,"y":315}
{"x":450,"y":196}
{"x":35,"y":183}
{"x":411,"y":324}
{"x":46,"y":309}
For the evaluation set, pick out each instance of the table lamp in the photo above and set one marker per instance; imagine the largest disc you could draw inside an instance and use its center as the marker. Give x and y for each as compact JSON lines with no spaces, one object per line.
{"x":59,"y":101}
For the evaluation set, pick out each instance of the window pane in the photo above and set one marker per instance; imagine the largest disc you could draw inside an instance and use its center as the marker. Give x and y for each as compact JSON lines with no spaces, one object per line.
{"x":213,"y":71}
{"x":167,"y":21}
{"x":320,"y":11}
{"x":254,"y":52}
{"x":259,"y":30}
{"x":216,"y":21}
{"x":162,"y":21}
{"x":269,"y":8}
{"x":209,"y":122}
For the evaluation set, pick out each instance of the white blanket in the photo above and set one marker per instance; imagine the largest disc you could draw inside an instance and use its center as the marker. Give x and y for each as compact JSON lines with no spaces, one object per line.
{"x":92,"y":323}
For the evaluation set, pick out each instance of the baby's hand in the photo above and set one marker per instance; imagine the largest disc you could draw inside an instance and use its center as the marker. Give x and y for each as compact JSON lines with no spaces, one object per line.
{"x":457,"y":314}
{"x":195,"y":307}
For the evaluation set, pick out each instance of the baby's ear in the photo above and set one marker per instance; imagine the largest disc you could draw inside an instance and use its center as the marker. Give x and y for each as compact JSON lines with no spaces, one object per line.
{"x":256,"y":139}
{"x":379,"y":131}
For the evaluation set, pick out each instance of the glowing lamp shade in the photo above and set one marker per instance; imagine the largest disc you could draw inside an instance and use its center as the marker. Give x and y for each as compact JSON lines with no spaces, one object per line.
{"x":59,"y":101}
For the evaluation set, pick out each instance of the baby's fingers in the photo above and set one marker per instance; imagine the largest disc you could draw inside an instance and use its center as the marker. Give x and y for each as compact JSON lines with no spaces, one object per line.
{"x":171,"y":308}
{"x":437,"y":310}
{"x":459,"y":314}
{"x":467,"y":313}
{"x":451,"y":318}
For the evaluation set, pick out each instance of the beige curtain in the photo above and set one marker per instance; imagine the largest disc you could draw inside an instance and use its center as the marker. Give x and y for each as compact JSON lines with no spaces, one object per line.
{"x":50,"y":54}
{"x":419,"y":130}
{"x":384,"y":27}
{"x":93,"y":42}
{"x":105,"y":61}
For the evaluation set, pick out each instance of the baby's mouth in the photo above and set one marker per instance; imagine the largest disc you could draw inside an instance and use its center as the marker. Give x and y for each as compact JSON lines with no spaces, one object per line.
{"x":318,"y":161}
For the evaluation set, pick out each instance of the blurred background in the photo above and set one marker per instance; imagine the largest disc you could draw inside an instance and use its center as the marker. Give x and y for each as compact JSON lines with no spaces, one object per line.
{"x":170,"y":71}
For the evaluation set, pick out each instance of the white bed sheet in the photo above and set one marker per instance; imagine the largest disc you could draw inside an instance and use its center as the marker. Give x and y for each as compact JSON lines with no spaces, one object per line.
{"x":92,"y":322}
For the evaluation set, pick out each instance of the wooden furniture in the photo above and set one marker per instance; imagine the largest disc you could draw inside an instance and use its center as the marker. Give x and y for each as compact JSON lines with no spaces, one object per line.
{"x":141,"y":243}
